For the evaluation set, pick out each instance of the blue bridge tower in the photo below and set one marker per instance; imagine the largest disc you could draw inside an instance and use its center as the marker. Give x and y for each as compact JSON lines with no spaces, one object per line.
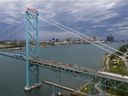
{"x":32,"y":49}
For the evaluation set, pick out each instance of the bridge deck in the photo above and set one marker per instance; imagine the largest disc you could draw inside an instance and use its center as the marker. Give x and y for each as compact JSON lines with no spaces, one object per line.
{"x":68,"y":67}
{"x":78,"y":69}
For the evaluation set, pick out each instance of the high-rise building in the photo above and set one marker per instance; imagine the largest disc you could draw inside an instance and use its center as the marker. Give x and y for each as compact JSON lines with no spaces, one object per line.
{"x":110,"y":38}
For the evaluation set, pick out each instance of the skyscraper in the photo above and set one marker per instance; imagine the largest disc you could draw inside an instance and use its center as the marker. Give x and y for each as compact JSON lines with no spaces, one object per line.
{"x":110,"y":38}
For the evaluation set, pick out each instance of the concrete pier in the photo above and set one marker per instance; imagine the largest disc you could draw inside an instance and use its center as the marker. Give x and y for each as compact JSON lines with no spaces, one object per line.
{"x":26,"y":88}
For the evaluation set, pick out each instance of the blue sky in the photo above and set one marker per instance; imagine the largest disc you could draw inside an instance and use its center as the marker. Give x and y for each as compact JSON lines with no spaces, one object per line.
{"x":93,"y":17}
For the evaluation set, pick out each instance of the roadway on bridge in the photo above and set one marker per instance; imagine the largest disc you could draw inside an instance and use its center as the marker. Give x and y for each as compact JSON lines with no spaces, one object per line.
{"x":68,"y":67}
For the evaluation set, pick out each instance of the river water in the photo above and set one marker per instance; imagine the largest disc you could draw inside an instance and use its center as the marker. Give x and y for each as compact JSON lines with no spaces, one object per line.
{"x":12,"y":72}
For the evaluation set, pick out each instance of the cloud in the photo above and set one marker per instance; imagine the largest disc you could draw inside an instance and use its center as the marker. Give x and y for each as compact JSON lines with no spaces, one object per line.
{"x":8,"y":21}
{"x":80,"y":10}
{"x":82,"y":15}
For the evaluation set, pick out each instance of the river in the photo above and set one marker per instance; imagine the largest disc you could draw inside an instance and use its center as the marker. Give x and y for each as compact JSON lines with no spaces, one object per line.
{"x":12,"y":72}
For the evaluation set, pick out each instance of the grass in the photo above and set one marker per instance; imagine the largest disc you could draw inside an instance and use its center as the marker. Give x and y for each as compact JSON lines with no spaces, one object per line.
{"x":119,"y":68}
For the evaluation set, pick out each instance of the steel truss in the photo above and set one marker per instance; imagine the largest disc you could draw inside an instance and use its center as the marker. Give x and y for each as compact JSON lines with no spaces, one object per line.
{"x":32,"y":49}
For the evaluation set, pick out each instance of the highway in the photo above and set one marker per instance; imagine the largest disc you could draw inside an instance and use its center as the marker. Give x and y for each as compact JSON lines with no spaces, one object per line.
{"x":68,"y":67}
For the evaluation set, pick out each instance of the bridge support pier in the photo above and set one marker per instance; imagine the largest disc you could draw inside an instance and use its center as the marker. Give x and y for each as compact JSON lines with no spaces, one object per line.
{"x":59,"y":94}
{"x":26,"y":88}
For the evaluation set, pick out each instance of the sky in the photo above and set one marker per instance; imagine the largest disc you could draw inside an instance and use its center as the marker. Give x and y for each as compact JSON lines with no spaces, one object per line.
{"x":90,"y":17}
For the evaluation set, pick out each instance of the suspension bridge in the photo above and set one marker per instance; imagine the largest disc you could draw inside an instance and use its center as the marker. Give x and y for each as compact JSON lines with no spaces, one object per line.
{"x":33,"y":62}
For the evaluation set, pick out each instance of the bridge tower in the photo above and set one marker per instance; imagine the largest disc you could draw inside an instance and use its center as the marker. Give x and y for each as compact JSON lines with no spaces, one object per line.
{"x":32,"y":48}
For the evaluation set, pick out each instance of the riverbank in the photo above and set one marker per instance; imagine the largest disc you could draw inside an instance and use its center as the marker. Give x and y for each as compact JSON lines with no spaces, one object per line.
{"x":117,"y":65}
{"x":111,"y":64}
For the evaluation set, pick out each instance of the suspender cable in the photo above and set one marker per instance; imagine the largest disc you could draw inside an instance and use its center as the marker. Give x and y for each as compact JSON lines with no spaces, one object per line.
{"x":82,"y":38}
{"x":81,"y":34}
